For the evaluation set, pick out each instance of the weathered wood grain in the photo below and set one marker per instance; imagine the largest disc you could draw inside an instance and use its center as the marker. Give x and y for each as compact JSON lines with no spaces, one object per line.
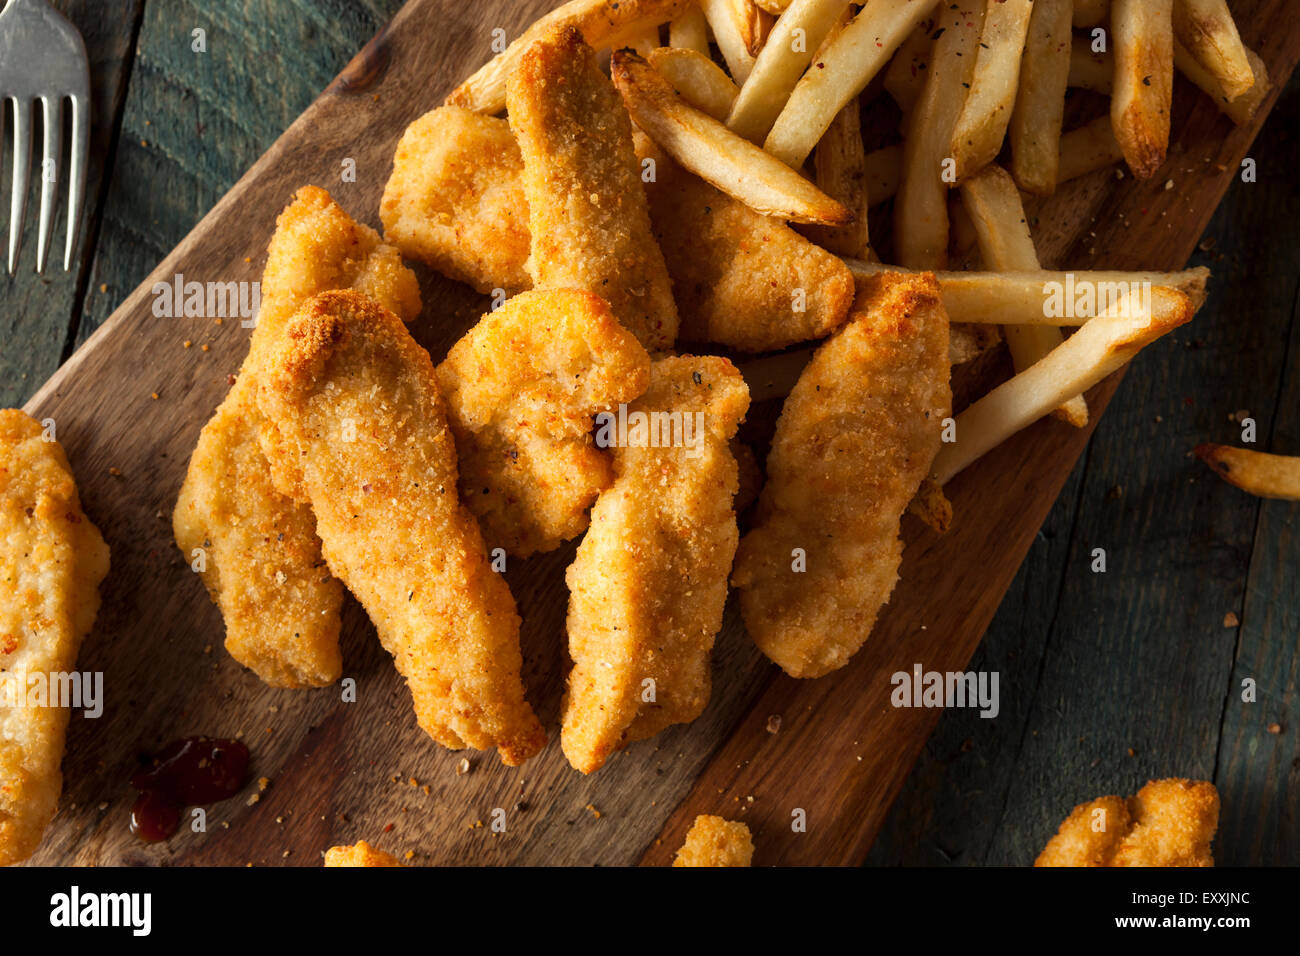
{"x":40,"y":313}
{"x":340,"y":771}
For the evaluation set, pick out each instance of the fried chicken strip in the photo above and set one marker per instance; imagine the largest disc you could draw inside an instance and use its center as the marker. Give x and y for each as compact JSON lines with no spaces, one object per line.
{"x":713,"y":841}
{"x":587,"y":212}
{"x":857,"y":435}
{"x":52,"y":560}
{"x":649,"y":582}
{"x":522,"y":389}
{"x":363,"y":435}
{"x":261,"y":558}
{"x":360,"y":854}
{"x":1168,"y":823}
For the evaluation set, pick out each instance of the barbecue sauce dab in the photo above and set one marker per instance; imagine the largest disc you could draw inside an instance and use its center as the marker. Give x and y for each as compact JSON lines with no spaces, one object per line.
{"x":191,"y":772}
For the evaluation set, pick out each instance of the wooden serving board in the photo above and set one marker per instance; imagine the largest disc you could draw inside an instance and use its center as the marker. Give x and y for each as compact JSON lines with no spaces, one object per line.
{"x":340,"y":771}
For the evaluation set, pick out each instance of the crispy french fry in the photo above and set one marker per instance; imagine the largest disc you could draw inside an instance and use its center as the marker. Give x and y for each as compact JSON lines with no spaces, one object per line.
{"x":906,"y":73}
{"x":758,"y":24}
{"x":1035,"y":130}
{"x":599,"y":22}
{"x":844,"y":69}
{"x":1087,"y":149}
{"x":1089,"y":13}
{"x":982,"y":124}
{"x":727,"y":20}
{"x":991,"y":198}
{"x":789,"y":50}
{"x":1090,"y":70}
{"x":1043,"y":297}
{"x":1241,"y":110}
{"x":714,"y":153}
{"x":1206,"y":29}
{"x":921,"y":210}
{"x":842,"y":174}
{"x":1268,"y":476}
{"x":690,"y":31}
{"x":1099,"y":348}
{"x":698,"y":80}
{"x":1143,"y":33}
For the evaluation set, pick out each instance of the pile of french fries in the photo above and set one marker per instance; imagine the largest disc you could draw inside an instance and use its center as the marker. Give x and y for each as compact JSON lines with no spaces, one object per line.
{"x":763,"y":99}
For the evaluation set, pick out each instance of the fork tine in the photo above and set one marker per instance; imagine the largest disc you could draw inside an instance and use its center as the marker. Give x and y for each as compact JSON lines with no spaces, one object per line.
{"x":22,"y":163}
{"x":52,"y":112}
{"x":77,"y":182}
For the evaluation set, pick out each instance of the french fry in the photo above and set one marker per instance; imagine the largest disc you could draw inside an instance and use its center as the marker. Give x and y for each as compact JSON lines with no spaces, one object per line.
{"x":1089,"y":13}
{"x":1143,"y":33}
{"x":1022,"y":298}
{"x":1087,"y":149}
{"x":1206,"y":30}
{"x":1264,"y":475}
{"x":844,"y":69}
{"x":982,"y":123}
{"x":727,"y":20}
{"x":699,"y":80}
{"x":789,"y":50}
{"x":690,"y":31}
{"x":1090,"y":70}
{"x":643,"y":39}
{"x":758,"y":24}
{"x":841,"y":168}
{"x":884,"y":167}
{"x":598,"y":20}
{"x":991,"y":198}
{"x":1241,"y":110}
{"x":921,"y":210}
{"x":716,"y":154}
{"x":1101,"y":347}
{"x":906,"y":73}
{"x":1035,"y":130}
{"x":776,"y":7}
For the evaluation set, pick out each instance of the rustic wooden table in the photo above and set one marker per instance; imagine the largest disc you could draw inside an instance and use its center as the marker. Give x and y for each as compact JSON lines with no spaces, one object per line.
{"x":1107,"y":680}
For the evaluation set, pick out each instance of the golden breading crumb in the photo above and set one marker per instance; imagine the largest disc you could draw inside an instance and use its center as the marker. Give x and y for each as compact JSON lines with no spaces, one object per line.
{"x":362,"y":434}
{"x":857,"y":435}
{"x":261,"y":559}
{"x":587,"y":211}
{"x":523,"y":387}
{"x":52,"y":560}
{"x":455,"y":200}
{"x":1168,"y":823}
{"x":649,"y":582}
{"x":713,"y":841}
{"x":361,"y":854}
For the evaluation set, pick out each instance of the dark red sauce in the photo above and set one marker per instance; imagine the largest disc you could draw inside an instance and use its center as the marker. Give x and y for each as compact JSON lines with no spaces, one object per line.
{"x":191,"y":772}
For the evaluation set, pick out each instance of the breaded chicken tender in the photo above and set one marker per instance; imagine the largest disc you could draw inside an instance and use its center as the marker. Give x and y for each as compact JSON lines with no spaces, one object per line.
{"x":587,"y":212}
{"x":1169,"y":823}
{"x":361,"y":854}
{"x":363,"y":436}
{"x":741,"y":279}
{"x":52,"y":560}
{"x":455,"y":200}
{"x":857,"y":435}
{"x":522,"y":389}
{"x":649,"y":582}
{"x":263,"y":564}
{"x":713,"y":841}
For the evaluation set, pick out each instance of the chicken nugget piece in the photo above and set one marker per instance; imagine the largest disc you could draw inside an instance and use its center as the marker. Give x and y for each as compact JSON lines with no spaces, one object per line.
{"x":587,"y":210}
{"x":649,"y":581}
{"x":363,"y":435}
{"x":522,"y":389}
{"x":858,"y":433}
{"x":1168,"y":823}
{"x":52,"y":560}
{"x":259,"y":553}
{"x":741,"y":279}
{"x":455,"y":200}
{"x":361,"y":854}
{"x":713,"y":841}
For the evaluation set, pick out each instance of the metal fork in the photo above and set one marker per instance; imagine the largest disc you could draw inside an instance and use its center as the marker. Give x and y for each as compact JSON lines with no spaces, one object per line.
{"x":42,"y":57}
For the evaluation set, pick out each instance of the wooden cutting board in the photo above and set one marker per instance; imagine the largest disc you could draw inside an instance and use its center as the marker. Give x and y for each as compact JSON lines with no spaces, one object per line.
{"x":133,"y":400}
